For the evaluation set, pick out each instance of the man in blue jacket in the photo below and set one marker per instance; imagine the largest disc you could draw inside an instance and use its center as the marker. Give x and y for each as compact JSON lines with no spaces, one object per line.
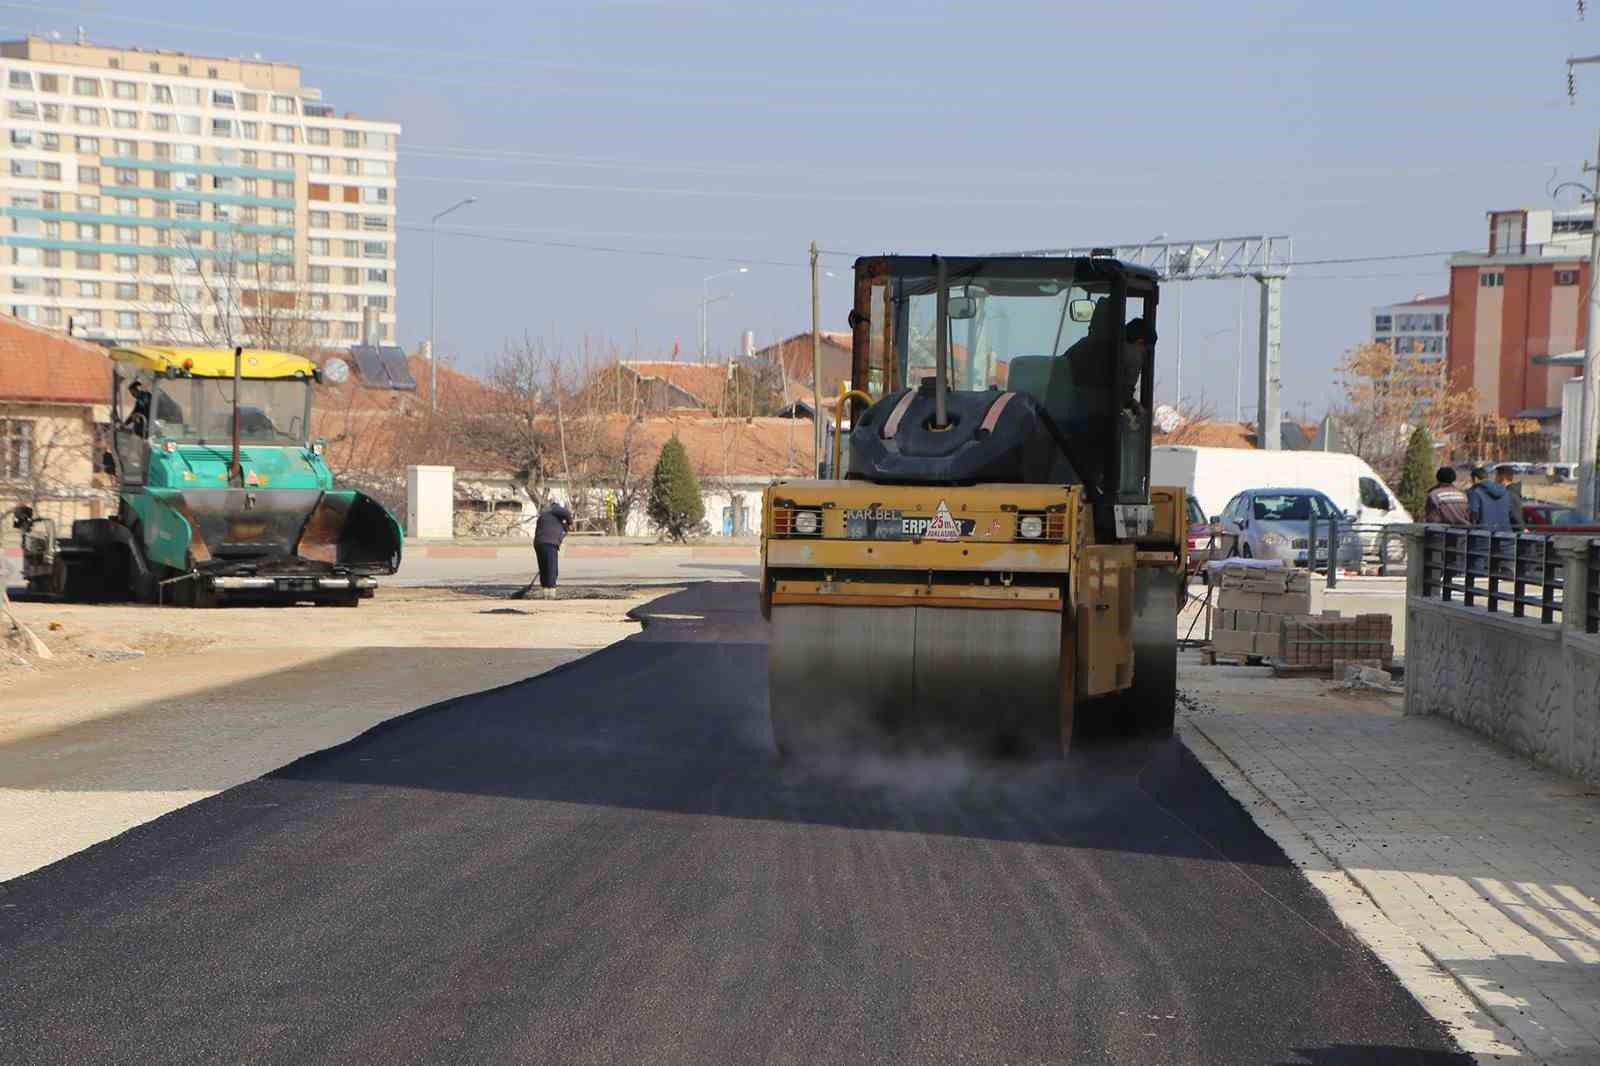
{"x":1488,"y":503}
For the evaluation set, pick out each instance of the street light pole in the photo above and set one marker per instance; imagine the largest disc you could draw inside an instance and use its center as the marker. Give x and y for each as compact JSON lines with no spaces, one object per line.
{"x":705,"y":302}
{"x":433,"y":301}
{"x":1589,"y":398}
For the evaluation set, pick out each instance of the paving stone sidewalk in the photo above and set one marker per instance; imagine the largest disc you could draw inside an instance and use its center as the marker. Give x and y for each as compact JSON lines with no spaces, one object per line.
{"x":1472,"y":874}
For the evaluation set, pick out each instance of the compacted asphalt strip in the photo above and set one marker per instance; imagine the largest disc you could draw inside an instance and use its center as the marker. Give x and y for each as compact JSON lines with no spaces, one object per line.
{"x":606,"y":863}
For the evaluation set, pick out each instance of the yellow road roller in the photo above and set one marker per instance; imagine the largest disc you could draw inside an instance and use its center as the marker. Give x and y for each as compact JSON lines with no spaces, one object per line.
{"x":988,"y":564}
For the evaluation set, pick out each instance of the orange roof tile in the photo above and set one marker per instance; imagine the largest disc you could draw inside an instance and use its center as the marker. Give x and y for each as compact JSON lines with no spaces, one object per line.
{"x":47,"y":366}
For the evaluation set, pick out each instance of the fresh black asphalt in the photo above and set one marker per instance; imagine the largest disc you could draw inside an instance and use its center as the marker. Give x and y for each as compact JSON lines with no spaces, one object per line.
{"x":606,"y":864}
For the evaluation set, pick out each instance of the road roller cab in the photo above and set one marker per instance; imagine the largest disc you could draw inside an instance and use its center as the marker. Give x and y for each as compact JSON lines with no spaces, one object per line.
{"x":994,"y":563}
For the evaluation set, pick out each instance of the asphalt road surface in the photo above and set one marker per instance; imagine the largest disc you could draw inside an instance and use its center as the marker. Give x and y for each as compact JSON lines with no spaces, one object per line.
{"x":606,"y":864}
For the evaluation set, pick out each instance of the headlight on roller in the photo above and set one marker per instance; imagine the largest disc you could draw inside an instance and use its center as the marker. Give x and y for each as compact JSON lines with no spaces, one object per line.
{"x":807,"y":523}
{"x":1030,"y":527}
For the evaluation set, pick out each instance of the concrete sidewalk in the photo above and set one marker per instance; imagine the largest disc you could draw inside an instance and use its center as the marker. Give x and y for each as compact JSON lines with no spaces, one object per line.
{"x":1474,"y":876}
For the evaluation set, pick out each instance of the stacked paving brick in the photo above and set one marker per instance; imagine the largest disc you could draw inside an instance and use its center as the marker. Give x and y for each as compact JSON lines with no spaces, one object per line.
{"x":1267,"y":613}
{"x":1252,"y":605}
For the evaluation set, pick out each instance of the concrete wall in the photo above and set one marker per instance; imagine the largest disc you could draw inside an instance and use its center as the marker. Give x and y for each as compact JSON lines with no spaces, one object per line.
{"x":1532,"y":687}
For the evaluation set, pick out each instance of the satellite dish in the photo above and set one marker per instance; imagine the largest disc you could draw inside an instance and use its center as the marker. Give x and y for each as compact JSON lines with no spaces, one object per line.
{"x":336,"y":371}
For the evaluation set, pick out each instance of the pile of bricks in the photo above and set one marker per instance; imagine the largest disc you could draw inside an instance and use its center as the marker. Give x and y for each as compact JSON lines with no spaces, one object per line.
{"x":1252,"y":606}
{"x":1266,"y":613}
{"x":1330,"y":641}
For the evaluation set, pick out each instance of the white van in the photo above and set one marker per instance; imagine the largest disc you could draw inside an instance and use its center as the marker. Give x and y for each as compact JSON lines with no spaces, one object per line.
{"x":1216,"y":475}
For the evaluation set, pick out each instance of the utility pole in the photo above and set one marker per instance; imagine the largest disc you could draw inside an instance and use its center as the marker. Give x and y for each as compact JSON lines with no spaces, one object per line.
{"x":1268,"y":417}
{"x":816,"y":358}
{"x":1238,"y":360}
{"x":1589,"y":398}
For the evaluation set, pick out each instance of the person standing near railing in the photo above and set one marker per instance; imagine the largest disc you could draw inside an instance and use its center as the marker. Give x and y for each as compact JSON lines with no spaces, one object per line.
{"x":1447,"y":505}
{"x":1488,"y":501}
{"x":1506,"y":478}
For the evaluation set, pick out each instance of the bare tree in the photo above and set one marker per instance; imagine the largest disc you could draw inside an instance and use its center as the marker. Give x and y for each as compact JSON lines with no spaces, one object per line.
{"x":233,"y":294}
{"x":1387,"y":395}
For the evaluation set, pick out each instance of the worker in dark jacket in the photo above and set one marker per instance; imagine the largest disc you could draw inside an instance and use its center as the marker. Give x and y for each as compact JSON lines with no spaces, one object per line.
{"x":1488,"y":502}
{"x":1506,"y":478}
{"x":1447,"y":504}
{"x":548,"y":533}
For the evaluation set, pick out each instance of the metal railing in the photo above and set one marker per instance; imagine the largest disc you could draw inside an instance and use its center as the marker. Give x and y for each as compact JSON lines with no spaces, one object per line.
{"x":1497,"y":571}
{"x":1591,"y":621}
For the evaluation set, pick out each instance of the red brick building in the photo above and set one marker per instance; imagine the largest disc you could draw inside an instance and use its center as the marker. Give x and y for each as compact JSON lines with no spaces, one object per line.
{"x":1522,"y":299}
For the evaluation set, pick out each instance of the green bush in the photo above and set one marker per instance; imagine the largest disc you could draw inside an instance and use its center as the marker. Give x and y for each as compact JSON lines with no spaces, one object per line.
{"x":675,"y":505}
{"x":1418,"y":477}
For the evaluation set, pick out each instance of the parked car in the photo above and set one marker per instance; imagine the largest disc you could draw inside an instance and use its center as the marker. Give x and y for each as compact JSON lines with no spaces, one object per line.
{"x":1213,"y":475}
{"x":1207,"y":540}
{"x":1540,"y":513}
{"x":1276,"y":524}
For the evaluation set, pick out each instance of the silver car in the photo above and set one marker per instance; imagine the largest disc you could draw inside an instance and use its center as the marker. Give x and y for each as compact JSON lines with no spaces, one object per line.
{"x":1276,"y":524}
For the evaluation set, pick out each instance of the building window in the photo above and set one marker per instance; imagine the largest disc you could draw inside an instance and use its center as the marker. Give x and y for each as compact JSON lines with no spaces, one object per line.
{"x":283,"y":134}
{"x":250,"y":131}
{"x":88,"y":175}
{"x":88,"y":319}
{"x":127,"y":320}
{"x":186,"y":153}
{"x":352,"y":276}
{"x":1566,"y":277}
{"x":127,"y":176}
{"x":21,"y":79}
{"x":318,"y":164}
{"x":316,"y":135}
{"x":16,"y":454}
{"x":318,"y":275}
{"x":52,"y":258}
{"x":186,"y":208}
{"x":24,"y":109}
{"x":189,"y":96}
{"x":352,"y":166}
{"x":124,"y":90}
{"x":88,"y":260}
{"x":249,"y":102}
{"x":161,"y":123}
{"x":1381,"y":323}
{"x":49,"y":83}
{"x":282,"y":216}
{"x":211,"y":72}
{"x":317,"y":246}
{"x":379,"y":302}
{"x":320,"y":330}
{"x":352,"y":302}
{"x":22,"y":138}
{"x":189,"y":125}
{"x":375,"y":249}
{"x":222,"y":98}
{"x":352,"y":249}
{"x":50,"y":142}
{"x":86,"y":86}
{"x":317,"y":192}
{"x":89,"y":290}
{"x":349,"y":330}
{"x":51,"y":171}
{"x":375,"y":168}
{"x":374,"y":196}
{"x":127,"y":235}
{"x":283,"y":189}
{"x":377,"y":140}
{"x":318,"y":219}
{"x":283,"y":105}
{"x":52,"y":316}
{"x":377,"y":276}
{"x":222,"y":127}
{"x":127,"y":290}
{"x":125,"y":149}
{"x":125,"y":120}
{"x":1491,"y":279}
{"x":88,"y":231}
{"x":86,"y":116}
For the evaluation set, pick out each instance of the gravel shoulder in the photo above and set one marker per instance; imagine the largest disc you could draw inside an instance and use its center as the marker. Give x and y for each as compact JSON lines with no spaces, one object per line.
{"x":143,"y":710}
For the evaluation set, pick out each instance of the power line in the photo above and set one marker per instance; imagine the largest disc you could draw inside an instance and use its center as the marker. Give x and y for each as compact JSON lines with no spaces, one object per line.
{"x":611,"y":250}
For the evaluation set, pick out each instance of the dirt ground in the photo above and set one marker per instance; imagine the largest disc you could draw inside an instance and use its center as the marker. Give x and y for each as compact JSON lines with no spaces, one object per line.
{"x":144,"y":709}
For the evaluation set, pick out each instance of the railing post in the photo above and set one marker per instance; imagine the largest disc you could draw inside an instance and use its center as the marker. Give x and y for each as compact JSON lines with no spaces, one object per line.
{"x":1576,"y":580}
{"x":1333,"y":558}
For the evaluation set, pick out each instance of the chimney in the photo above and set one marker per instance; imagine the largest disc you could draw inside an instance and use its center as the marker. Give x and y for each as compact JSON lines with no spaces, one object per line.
{"x":371,"y":331}
{"x":425,"y":350}
{"x":748,"y":343}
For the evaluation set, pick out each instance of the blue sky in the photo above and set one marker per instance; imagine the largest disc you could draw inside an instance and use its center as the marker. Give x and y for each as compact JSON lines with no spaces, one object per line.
{"x":739,"y":132}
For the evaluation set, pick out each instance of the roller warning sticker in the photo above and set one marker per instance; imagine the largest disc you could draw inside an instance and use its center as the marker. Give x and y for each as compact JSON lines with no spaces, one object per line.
{"x":942,"y":526}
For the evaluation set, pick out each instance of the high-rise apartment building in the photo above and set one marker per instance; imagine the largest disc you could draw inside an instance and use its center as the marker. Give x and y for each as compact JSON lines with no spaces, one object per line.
{"x":161,"y":196}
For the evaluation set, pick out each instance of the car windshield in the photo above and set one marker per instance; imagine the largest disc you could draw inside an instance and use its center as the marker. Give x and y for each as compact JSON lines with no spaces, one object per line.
{"x":1197,"y":516}
{"x":200,"y":410}
{"x":1291,"y":507}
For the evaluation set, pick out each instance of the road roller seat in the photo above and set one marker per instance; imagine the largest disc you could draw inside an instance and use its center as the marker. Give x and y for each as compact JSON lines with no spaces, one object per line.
{"x":1031,"y":374}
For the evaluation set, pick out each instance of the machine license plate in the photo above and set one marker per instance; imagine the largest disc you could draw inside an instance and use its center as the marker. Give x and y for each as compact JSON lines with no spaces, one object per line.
{"x":873,"y":523}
